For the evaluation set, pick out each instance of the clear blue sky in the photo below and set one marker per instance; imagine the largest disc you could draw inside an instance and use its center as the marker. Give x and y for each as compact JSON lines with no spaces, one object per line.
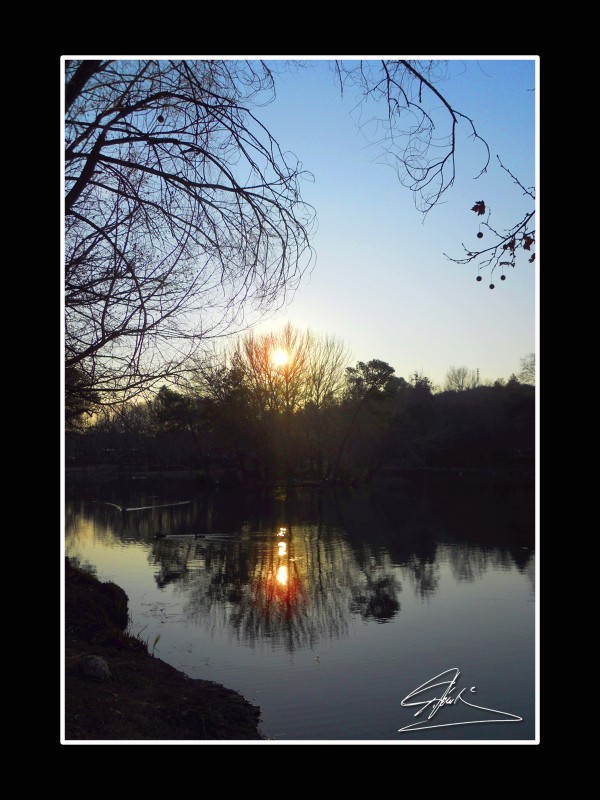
{"x":381,"y":282}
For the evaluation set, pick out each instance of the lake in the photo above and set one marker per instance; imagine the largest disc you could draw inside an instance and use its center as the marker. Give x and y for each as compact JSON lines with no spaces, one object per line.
{"x":329,"y":609}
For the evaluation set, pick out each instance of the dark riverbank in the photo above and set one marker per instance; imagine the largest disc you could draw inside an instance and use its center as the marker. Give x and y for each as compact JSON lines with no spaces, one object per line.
{"x":143,"y":698}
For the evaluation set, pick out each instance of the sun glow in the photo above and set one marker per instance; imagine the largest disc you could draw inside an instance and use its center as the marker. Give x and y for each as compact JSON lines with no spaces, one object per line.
{"x":280,"y":357}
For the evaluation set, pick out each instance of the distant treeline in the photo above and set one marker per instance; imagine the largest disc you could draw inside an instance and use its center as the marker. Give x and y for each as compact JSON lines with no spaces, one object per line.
{"x":249,"y":422}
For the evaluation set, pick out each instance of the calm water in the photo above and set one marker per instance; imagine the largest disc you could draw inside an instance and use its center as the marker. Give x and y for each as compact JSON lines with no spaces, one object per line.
{"x":328,"y":610}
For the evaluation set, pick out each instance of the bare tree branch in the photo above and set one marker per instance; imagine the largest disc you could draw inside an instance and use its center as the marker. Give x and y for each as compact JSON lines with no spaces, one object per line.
{"x":506,"y":244}
{"x":419,"y":142}
{"x":182,"y":214}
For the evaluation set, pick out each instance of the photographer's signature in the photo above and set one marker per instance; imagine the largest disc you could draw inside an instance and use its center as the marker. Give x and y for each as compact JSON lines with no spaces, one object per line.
{"x":448,"y":679}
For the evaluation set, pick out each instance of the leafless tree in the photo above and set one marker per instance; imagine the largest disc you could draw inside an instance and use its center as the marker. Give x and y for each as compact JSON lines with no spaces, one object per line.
{"x":181,"y":214}
{"x":291,"y":369}
{"x":326,"y":362}
{"x":459,"y":379}
{"x":527,"y":373}
{"x":274,"y":367}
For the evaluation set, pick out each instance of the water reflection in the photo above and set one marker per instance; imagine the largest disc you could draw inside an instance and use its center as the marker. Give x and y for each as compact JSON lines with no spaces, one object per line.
{"x":289,"y":593}
{"x":291,"y":572}
{"x":377,"y":598}
{"x":469,"y":563}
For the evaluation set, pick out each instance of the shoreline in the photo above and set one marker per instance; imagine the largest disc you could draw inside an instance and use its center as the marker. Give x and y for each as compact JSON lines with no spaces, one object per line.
{"x":124,"y":693}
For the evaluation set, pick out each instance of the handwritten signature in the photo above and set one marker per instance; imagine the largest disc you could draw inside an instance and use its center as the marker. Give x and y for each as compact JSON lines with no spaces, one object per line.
{"x":448,"y":699}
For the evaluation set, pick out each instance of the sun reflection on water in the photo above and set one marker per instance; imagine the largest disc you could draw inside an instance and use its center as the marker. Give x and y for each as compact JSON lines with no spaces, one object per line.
{"x":282,"y":575}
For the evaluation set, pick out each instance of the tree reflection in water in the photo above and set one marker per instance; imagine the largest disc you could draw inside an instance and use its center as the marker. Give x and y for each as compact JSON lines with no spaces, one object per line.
{"x":294,"y":571}
{"x":291,"y":591}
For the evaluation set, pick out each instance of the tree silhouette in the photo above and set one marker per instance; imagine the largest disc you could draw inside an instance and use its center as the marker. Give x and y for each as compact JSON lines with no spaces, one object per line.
{"x":181,"y":212}
{"x":418,"y":136}
{"x":367,"y":385}
{"x":272,"y":413}
{"x":368,"y":379}
{"x":506,"y":244}
{"x":459,"y":379}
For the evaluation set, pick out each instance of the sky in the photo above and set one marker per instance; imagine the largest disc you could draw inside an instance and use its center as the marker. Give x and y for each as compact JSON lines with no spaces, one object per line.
{"x":381,"y":282}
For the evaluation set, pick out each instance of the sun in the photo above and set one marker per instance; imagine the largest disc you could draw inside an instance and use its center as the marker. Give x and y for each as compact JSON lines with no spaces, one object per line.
{"x":280,"y":357}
